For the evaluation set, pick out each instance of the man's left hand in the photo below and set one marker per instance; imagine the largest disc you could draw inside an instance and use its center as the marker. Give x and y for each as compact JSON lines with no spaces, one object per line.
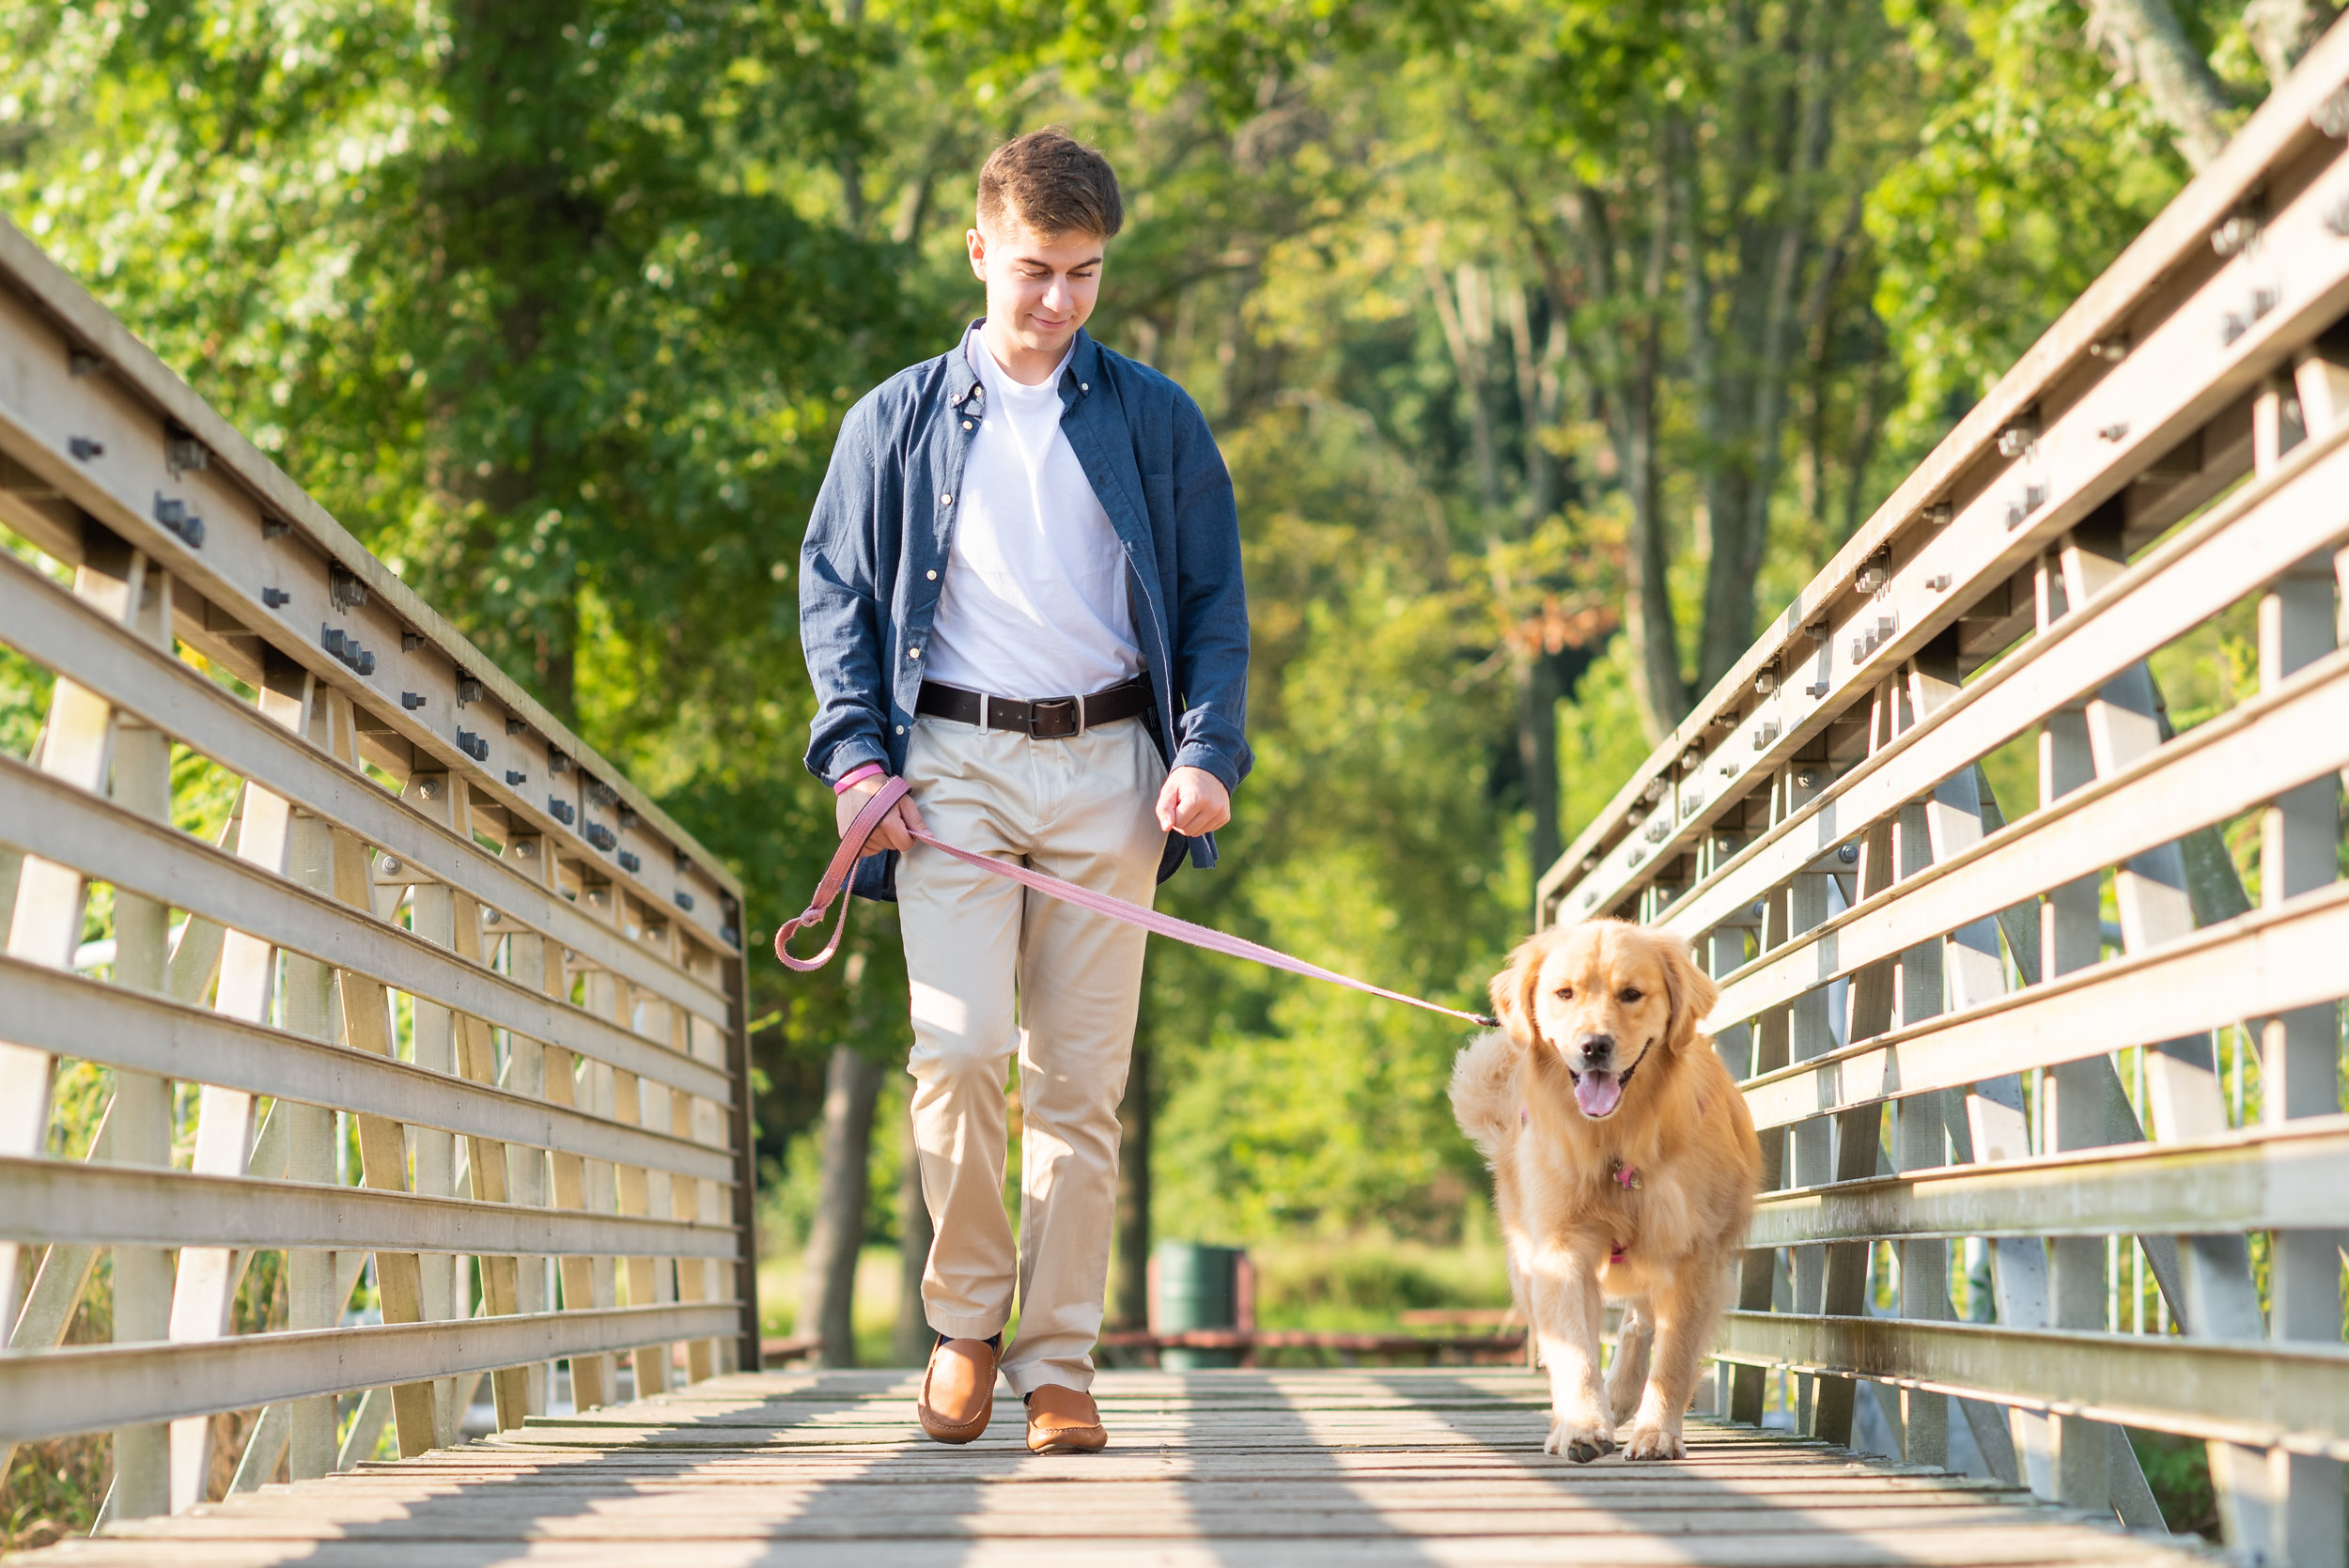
{"x":1193,"y":802}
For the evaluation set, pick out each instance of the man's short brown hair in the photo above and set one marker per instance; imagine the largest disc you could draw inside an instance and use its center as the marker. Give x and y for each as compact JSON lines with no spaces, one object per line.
{"x":1053,"y":183}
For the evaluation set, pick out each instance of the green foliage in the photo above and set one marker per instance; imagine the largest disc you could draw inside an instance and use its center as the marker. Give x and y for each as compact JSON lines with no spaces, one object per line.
{"x":1297,"y":1104}
{"x":538,"y":299}
{"x":1362,"y":1283}
{"x":2178,"y":1470}
{"x":2031,"y":172}
{"x":24,"y":688}
{"x":53,"y":1490}
{"x":1600,"y":741}
{"x":557,"y":305}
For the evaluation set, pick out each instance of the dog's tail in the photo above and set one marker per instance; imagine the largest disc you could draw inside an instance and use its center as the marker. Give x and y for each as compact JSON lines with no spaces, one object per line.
{"x":1483,"y":1090}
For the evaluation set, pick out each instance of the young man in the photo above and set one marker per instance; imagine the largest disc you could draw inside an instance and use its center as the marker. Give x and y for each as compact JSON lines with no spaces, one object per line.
{"x":1021,"y":592}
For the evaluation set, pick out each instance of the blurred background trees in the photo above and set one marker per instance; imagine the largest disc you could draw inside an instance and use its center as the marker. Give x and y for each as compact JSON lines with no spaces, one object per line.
{"x":1550,"y":343}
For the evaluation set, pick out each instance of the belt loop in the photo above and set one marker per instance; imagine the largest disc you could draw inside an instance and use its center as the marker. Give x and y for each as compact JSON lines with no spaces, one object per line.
{"x":983,"y":702}
{"x":1082,"y":700}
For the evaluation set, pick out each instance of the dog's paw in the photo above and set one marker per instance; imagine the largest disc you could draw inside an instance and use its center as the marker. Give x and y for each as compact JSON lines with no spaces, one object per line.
{"x":1579,"y":1438}
{"x":1624,"y":1400}
{"x":1655,"y":1442}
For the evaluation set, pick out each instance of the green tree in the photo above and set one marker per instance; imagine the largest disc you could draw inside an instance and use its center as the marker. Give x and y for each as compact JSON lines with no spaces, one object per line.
{"x":548,"y":302}
{"x":1518,"y":321}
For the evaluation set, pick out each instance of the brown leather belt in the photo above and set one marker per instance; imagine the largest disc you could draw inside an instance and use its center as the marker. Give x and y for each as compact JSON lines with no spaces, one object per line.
{"x":1040,"y":718}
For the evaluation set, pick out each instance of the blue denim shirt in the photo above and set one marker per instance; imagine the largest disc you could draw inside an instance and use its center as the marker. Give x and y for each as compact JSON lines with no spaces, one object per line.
{"x":876,"y":549}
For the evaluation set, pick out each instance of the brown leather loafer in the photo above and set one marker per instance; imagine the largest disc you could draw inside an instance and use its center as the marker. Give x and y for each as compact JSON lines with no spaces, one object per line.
{"x":959,"y":1390}
{"x":1063,"y":1421}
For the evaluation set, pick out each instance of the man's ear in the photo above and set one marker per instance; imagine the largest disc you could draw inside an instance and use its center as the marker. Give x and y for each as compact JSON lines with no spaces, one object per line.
{"x":1691,"y":990}
{"x":1513,"y":992}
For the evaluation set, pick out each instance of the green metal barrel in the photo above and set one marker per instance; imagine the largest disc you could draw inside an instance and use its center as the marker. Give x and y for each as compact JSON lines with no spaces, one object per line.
{"x":1196,"y":1289}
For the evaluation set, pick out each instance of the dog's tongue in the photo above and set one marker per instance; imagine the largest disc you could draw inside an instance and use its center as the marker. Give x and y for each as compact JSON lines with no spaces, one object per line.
{"x":1598,"y":1094}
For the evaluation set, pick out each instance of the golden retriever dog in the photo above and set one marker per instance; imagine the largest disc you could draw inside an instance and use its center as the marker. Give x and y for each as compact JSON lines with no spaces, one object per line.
{"x":1623,"y":1168}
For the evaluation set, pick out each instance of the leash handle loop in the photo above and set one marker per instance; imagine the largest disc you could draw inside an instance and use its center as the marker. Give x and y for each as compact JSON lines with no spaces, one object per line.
{"x":836,"y":879}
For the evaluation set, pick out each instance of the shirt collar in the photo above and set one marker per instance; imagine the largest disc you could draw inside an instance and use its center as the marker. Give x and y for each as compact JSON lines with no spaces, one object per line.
{"x":962,"y":377}
{"x":1077,"y":372}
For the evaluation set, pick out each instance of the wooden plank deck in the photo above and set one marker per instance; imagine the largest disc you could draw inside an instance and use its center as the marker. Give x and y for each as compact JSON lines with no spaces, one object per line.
{"x":1218,"y":1469}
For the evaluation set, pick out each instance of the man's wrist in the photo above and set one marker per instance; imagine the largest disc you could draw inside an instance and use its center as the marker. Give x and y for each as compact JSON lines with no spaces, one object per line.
{"x":855,"y":776}
{"x":1213,"y":764}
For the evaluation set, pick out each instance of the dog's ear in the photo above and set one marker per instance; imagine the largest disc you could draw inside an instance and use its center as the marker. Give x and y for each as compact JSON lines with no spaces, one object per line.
{"x":1513,"y":992}
{"x":1691,"y":990}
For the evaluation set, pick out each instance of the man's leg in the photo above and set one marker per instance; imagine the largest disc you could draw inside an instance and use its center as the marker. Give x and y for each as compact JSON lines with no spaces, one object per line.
{"x":1080,"y":985}
{"x":962,"y":929}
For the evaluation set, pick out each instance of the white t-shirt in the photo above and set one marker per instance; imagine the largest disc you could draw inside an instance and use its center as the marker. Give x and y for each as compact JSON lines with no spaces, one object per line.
{"x":1035,"y":603}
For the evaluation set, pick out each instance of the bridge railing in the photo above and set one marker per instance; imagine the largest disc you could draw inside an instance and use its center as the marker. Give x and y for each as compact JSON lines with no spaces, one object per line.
{"x":1990,"y":910}
{"x":416,"y":1030}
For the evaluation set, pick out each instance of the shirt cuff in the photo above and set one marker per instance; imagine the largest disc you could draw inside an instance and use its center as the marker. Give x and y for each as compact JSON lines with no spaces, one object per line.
{"x":1208,"y":760}
{"x":856,"y":775}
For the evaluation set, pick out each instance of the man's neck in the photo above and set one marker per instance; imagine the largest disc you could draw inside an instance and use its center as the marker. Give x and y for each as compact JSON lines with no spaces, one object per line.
{"x":1027,"y":366}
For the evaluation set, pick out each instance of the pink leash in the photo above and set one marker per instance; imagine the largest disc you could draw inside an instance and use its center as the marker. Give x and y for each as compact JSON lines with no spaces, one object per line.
{"x":836,"y":880}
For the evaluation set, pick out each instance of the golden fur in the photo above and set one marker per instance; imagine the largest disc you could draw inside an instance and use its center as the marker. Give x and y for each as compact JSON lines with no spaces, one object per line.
{"x":1597,"y":1075}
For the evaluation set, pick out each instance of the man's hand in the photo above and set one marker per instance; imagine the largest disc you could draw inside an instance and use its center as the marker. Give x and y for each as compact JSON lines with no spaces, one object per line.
{"x":894,"y":831}
{"x":1193,"y":802}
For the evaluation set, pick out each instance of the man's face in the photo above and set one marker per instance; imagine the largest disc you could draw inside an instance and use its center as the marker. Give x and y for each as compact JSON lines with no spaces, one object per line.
{"x":1040,"y":288}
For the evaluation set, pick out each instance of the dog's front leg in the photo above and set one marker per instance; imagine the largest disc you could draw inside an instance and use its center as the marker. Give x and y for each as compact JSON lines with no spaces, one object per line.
{"x":1635,"y":1336}
{"x":1686,"y":1312}
{"x":1563,"y":1305}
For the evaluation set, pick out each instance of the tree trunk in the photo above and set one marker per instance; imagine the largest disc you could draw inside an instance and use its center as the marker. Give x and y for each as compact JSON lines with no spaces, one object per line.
{"x":911,"y":1345}
{"x":1622,"y":363}
{"x":828,"y":1291}
{"x":1538,"y":389}
{"x":1133,"y":1194}
{"x":1661,"y":695}
{"x":2281,"y":31}
{"x":1774,"y":291}
{"x":1467,"y":365}
{"x":558,"y":660}
{"x":2146,"y":45}
{"x":1538,"y":691}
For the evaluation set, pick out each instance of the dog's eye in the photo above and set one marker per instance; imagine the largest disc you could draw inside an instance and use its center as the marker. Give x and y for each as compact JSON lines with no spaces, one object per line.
{"x":1629,"y":993}
{"x":1565,"y":993}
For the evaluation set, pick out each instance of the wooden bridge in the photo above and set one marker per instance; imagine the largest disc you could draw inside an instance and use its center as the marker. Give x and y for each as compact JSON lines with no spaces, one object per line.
{"x":1218,"y":1469}
{"x":425,"y":1070}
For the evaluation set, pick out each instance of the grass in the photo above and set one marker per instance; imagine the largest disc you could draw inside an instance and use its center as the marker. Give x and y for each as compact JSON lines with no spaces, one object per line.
{"x":1357,"y":1285}
{"x":52,"y":1490}
{"x":1364,"y":1283}
{"x":2178,"y":1470}
{"x":874,"y":1315}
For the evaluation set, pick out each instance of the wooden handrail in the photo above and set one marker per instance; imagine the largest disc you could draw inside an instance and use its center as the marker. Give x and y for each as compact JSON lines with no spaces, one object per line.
{"x":1954,"y":1063}
{"x":463,"y":1011}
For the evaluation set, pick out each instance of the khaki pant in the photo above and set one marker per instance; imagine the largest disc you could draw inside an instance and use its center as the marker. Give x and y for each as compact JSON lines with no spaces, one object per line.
{"x":995,"y":965}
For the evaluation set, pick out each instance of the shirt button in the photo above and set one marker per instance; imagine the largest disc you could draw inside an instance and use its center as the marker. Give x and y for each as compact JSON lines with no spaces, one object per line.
{"x":945,"y":499}
{"x":913,"y":653}
{"x":931,"y":575}
{"x":1084,"y":386}
{"x":901,"y":729}
{"x":966,"y":424}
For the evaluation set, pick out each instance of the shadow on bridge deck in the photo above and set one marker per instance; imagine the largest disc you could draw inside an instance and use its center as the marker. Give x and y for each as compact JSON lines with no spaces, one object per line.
{"x":1218,"y":1469}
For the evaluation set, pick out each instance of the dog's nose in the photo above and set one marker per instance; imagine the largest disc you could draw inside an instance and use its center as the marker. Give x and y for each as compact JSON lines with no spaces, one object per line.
{"x":1597,"y":1049}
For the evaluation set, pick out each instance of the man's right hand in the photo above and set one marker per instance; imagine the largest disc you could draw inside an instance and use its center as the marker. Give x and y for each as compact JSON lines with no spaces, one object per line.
{"x":894,"y":831}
